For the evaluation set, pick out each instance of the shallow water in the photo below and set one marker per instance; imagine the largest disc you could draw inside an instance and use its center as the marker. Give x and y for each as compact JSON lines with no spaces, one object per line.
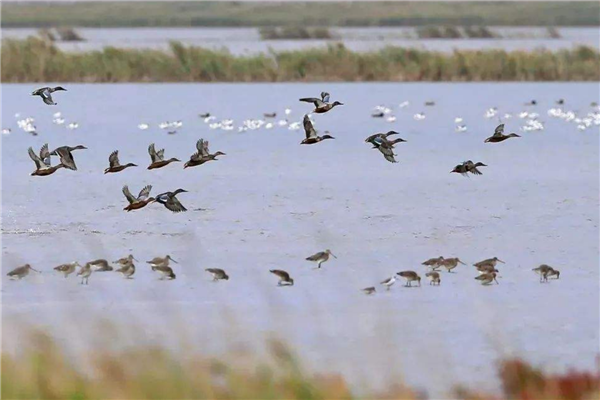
{"x":270,"y":202}
{"x":247,"y":40}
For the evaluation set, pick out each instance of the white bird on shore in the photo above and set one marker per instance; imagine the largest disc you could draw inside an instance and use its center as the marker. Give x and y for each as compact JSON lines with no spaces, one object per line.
{"x":389,"y":282}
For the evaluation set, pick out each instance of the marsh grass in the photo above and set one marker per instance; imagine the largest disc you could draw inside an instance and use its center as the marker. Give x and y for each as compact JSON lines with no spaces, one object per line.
{"x":41,"y":369}
{"x":36,"y":60}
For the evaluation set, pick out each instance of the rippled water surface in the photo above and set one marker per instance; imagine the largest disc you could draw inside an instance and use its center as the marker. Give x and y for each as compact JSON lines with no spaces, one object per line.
{"x":271,"y":202}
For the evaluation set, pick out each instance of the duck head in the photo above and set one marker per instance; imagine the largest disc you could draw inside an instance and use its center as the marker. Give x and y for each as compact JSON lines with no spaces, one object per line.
{"x":79,"y":147}
{"x":336,"y":103}
{"x":179,"y":191}
{"x":130,"y":165}
{"x":514,"y":135}
{"x":60,"y":88}
{"x":480,"y":164}
{"x":327,"y":137}
{"x":219,"y":153}
{"x":174,"y":159}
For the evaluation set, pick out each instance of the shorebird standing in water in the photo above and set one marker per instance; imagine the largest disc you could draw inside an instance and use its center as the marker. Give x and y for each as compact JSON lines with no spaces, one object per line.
{"x":66,"y":155}
{"x":410,"y":276}
{"x":127,"y":270}
{"x":322,"y":105}
{"x":487,"y":278}
{"x":158,"y":158}
{"x":218,"y":274}
{"x":451,"y":263}
{"x":434,"y":278}
{"x":490,"y":261}
{"x":46,"y":94}
{"x":546,"y":271}
{"x":21,"y":272}
{"x":67,"y":269}
{"x":499,"y":135}
{"x":311,"y":133}
{"x":125,"y":260}
{"x":115,"y":165}
{"x":85,"y":273}
{"x":171,"y":202}
{"x":433,"y":263}
{"x":389,"y":282}
{"x":369,"y":290}
{"x":284,"y":277}
{"x":42,"y":162}
{"x":135,"y":203}
{"x":320,"y":257}
{"x":202,"y":155}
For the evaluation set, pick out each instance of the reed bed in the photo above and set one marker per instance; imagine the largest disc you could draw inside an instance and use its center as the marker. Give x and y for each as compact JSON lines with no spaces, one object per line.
{"x":36,"y":60}
{"x":41,"y":369}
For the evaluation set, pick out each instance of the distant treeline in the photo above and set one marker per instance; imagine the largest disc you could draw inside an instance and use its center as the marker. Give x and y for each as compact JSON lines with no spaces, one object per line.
{"x":212,"y":13}
{"x":36,"y":60}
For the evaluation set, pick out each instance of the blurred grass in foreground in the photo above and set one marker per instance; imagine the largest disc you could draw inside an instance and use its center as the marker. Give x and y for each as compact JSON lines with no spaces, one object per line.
{"x":36,"y":60}
{"x":42,"y":370}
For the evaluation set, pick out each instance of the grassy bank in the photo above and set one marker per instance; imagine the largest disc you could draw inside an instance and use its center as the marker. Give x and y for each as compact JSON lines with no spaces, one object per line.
{"x":210,"y":13}
{"x":42,"y":370}
{"x":35,"y":60}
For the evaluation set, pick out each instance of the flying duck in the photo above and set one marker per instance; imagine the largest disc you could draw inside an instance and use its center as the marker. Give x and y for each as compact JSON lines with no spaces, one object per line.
{"x":141,"y":201}
{"x":322,"y":105}
{"x":42,"y":162}
{"x":46,"y":94}
{"x":371,"y":139}
{"x":66,"y":155}
{"x":202,"y":155}
{"x":115,"y":165}
{"x":386,"y":147}
{"x":499,"y":135}
{"x":468,"y":166}
{"x":169,"y":200}
{"x":311,"y":133}
{"x":158,"y":158}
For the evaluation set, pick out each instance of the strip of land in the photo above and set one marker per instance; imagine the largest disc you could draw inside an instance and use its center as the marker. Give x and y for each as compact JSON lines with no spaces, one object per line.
{"x":232,"y":14}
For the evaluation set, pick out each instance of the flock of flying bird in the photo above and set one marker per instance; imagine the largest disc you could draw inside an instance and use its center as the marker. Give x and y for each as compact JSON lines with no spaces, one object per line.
{"x":380,"y":141}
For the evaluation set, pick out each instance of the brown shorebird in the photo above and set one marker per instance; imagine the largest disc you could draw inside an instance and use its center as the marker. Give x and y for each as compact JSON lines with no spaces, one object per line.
{"x":434,"y":278}
{"x":322,"y":105}
{"x":21,"y":272}
{"x":487,"y":278}
{"x":486,"y":269}
{"x":67,"y":269}
{"x":491,"y":261}
{"x":499,"y":135}
{"x":320,"y":257}
{"x":218,"y":274}
{"x":546,"y":271}
{"x":389,"y":282}
{"x":284,"y":277}
{"x":434,"y":263}
{"x":165,"y":272}
{"x":451,"y":263}
{"x":158,"y":158}
{"x":410,"y":276}
{"x":311,"y":133}
{"x":114,"y":165}
{"x":369,"y":290}
{"x":42,"y":162}
{"x":143,"y":199}
{"x":125,"y":260}
{"x":85,"y":273}
{"x":100,"y":265}
{"x":127,"y":270}
{"x":156,"y":261}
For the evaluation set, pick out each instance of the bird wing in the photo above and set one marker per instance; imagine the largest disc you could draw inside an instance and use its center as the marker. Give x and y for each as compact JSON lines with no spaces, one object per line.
{"x":153,"y":155}
{"x":196,"y":156}
{"x":390,"y":158}
{"x":316,"y":256}
{"x":281,"y":274}
{"x":172,"y":204}
{"x":39,"y":164}
{"x":325,"y":97}
{"x":66,"y":158}
{"x":144,"y":193}
{"x":113,"y":159}
{"x":309,"y":129}
{"x":128,"y":195}
{"x":317,"y":102}
{"x":499,"y":130}
{"x":45,"y":155}
{"x":385,"y":148}
{"x":205,"y":151}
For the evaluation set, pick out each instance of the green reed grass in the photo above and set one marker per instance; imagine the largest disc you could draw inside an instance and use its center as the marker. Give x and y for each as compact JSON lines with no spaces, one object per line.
{"x":36,"y":60}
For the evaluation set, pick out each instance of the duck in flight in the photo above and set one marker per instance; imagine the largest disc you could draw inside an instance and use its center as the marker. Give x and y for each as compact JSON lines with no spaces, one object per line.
{"x":499,"y":135}
{"x":169,"y":200}
{"x":372,"y":139}
{"x":468,"y":166}
{"x":66,"y":155}
{"x":115,"y":165}
{"x":46,"y":94}
{"x":386,"y":147}
{"x":311,"y":133}
{"x":202,"y":155}
{"x":135,"y":203}
{"x":322,"y":105}
{"x":42,"y":162}
{"x":158,"y":158}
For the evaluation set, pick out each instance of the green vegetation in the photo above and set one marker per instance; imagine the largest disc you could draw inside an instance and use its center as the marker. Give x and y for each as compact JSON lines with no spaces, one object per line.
{"x":36,"y":60}
{"x":293,"y":32}
{"x":43,"y":370}
{"x":212,"y":13}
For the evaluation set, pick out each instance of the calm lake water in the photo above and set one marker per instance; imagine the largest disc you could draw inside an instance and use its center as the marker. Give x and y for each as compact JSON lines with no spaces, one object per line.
{"x":247,"y":40}
{"x":271,"y":202}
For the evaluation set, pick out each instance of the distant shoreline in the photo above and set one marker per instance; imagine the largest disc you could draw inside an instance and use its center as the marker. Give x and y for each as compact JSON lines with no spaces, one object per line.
{"x":36,"y":60}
